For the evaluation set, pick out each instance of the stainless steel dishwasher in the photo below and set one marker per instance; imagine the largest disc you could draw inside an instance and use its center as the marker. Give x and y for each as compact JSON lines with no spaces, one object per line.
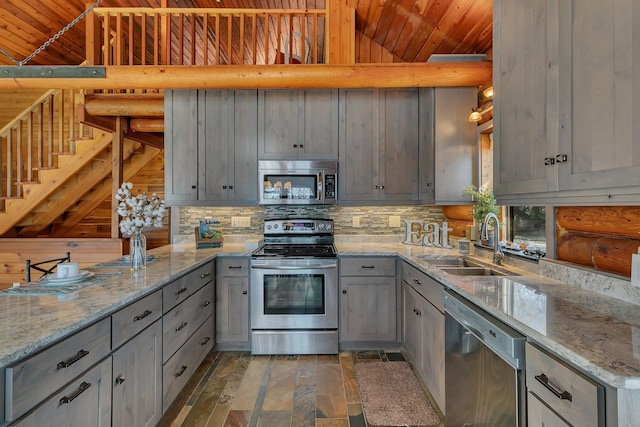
{"x":484,"y":368}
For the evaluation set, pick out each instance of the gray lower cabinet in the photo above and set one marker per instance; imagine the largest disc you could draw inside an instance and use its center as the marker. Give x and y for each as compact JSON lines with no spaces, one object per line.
{"x":232,"y":311}
{"x":86,"y":401}
{"x":137,"y":379}
{"x":423,"y":329}
{"x":568,"y":394}
{"x":37,"y":377}
{"x":539,"y":415}
{"x":368,"y":308}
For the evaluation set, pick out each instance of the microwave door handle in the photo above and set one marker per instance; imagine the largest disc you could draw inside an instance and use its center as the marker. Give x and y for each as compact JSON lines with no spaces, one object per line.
{"x":320,"y":190}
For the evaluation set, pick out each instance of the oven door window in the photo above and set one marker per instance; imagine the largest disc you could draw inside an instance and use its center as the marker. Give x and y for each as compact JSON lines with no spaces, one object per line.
{"x":294,"y":294}
{"x":275,"y":186}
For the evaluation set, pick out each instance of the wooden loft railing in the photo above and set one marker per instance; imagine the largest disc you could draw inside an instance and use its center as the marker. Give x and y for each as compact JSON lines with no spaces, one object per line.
{"x":205,"y":36}
{"x":32,"y":140}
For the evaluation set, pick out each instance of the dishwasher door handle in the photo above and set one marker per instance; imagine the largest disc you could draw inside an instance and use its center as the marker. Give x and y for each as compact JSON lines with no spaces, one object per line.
{"x":294,"y":267}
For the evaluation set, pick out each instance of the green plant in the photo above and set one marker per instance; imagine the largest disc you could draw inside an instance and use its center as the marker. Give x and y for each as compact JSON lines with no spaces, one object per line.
{"x":484,"y":200}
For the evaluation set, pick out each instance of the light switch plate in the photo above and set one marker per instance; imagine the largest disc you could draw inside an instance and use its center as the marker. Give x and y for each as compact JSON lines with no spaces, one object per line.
{"x":241,"y":221}
{"x":355,"y":222}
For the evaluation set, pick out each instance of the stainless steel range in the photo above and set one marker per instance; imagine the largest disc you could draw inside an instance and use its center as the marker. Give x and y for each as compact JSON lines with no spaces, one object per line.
{"x":294,"y":289}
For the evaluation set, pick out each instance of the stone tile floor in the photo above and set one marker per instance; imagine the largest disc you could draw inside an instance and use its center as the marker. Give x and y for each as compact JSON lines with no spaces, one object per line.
{"x":238,"y":389}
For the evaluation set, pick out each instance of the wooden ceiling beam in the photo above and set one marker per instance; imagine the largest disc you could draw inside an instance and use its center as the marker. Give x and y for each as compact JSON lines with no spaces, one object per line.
{"x":440,"y":74}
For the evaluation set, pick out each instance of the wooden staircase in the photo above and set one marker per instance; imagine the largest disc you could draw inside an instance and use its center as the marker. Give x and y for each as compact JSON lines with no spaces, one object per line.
{"x":56,"y":171}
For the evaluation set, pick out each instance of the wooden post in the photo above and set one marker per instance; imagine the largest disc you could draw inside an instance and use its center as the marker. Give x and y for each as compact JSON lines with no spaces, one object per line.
{"x":92,"y":38}
{"x":165,"y":36}
{"x":341,"y":33}
{"x":117,"y":172}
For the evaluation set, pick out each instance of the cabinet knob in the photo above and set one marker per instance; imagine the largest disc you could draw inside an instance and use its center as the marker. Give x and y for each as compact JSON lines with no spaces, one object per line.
{"x":193,"y":187}
{"x":429,"y":184}
{"x":301,"y":146}
{"x":376,"y":187}
{"x":224,"y":187}
{"x":244,"y":292}
{"x":344,"y":291}
{"x":382,"y":187}
{"x":295,"y":145}
{"x":231,"y":187}
{"x":120,"y":379}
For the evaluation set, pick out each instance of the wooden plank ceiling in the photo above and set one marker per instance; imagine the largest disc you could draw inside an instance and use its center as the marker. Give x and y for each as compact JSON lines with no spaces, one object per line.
{"x":386,"y":30}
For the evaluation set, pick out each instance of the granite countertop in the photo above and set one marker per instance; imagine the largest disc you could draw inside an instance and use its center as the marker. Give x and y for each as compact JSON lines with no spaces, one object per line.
{"x":598,"y":333}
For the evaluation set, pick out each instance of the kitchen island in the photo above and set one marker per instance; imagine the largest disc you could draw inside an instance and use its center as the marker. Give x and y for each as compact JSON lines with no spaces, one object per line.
{"x":595,"y":333}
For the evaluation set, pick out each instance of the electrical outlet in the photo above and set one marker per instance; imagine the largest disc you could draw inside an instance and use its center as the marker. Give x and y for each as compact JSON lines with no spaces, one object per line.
{"x":394,"y":221}
{"x":355,"y":222}
{"x":241,"y":221}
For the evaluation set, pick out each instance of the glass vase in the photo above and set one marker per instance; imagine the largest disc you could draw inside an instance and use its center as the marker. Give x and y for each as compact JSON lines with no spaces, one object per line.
{"x":138,"y":252}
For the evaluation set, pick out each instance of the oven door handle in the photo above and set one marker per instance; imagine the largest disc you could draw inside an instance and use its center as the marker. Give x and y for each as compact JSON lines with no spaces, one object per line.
{"x":294,"y":267}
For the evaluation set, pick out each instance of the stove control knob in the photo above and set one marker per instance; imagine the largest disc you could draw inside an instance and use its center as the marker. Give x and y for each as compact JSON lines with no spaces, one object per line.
{"x":329,"y":226}
{"x":268,"y":227}
{"x":275,"y":225}
{"x":321,"y":226}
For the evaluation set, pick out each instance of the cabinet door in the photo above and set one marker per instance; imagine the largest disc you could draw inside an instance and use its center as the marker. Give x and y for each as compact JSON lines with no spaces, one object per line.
{"x":399,"y":140}
{"x":527,"y":116}
{"x":456,"y":164}
{"x":433,"y":351}
{"x":318,"y":124}
{"x":84,"y":402}
{"x":278,"y":124}
{"x":242,"y":163}
{"x":181,"y":145}
{"x":358,"y":145}
{"x":232,"y":312}
{"x":213,"y":149}
{"x":427,"y":150}
{"x":603,"y":144}
{"x":539,"y":415}
{"x":137,"y":379}
{"x":412,"y":327}
{"x":368,"y":309}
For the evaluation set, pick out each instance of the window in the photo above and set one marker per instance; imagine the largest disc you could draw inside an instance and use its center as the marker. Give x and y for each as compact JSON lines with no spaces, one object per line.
{"x":527,"y":226}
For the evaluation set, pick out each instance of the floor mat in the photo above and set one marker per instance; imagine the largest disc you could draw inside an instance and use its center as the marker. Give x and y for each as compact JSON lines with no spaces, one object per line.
{"x":392,"y":396}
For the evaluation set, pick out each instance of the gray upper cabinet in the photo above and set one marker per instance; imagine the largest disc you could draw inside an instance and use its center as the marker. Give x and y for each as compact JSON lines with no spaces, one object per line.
{"x":181,"y":146}
{"x":228,"y":156}
{"x":298,"y":124}
{"x":565,"y":125}
{"x":211,"y":152}
{"x":379,"y":140}
{"x":456,"y":164}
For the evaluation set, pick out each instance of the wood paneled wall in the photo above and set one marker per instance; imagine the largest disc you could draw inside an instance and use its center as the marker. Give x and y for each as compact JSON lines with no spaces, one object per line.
{"x":602,"y":237}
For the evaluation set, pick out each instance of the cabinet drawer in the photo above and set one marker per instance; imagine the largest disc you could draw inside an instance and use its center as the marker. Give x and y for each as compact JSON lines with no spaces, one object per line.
{"x":32,"y":380}
{"x":182,"y":288}
{"x":233,"y":267}
{"x":128,"y":322}
{"x":573,"y":396}
{"x":183,"y":320}
{"x":84,"y":402}
{"x":182,"y":365}
{"x":426,"y":286}
{"x":368,"y":266}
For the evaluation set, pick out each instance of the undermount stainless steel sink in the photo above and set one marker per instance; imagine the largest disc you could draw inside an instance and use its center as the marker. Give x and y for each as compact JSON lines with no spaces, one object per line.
{"x":473,"y":271}
{"x":450,"y":261}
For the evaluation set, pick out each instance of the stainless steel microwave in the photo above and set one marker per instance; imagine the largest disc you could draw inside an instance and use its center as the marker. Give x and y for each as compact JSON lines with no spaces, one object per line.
{"x":298,"y":182}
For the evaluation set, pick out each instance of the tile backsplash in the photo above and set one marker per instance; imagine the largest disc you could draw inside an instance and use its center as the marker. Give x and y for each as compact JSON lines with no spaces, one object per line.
{"x":374,"y":220}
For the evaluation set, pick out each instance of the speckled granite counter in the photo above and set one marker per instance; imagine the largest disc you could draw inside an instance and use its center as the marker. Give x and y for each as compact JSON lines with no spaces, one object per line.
{"x":597,"y":333}
{"x":30,"y":323}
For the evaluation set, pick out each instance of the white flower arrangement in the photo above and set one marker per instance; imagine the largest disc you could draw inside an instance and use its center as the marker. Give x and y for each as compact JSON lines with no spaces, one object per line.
{"x":138,"y":211}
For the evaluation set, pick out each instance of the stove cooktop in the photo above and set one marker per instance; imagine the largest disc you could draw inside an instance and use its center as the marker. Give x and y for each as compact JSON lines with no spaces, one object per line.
{"x":295,"y":250}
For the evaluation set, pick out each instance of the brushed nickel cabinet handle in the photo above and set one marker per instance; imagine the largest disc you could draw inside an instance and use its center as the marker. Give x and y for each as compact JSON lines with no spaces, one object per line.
{"x":205,"y":341}
{"x":205,"y":304}
{"x":203,"y":275}
{"x":181,"y":327}
{"x":181,"y":291}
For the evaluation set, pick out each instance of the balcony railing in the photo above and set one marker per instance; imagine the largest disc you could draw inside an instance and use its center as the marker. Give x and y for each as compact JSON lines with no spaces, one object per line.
{"x":205,"y":36}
